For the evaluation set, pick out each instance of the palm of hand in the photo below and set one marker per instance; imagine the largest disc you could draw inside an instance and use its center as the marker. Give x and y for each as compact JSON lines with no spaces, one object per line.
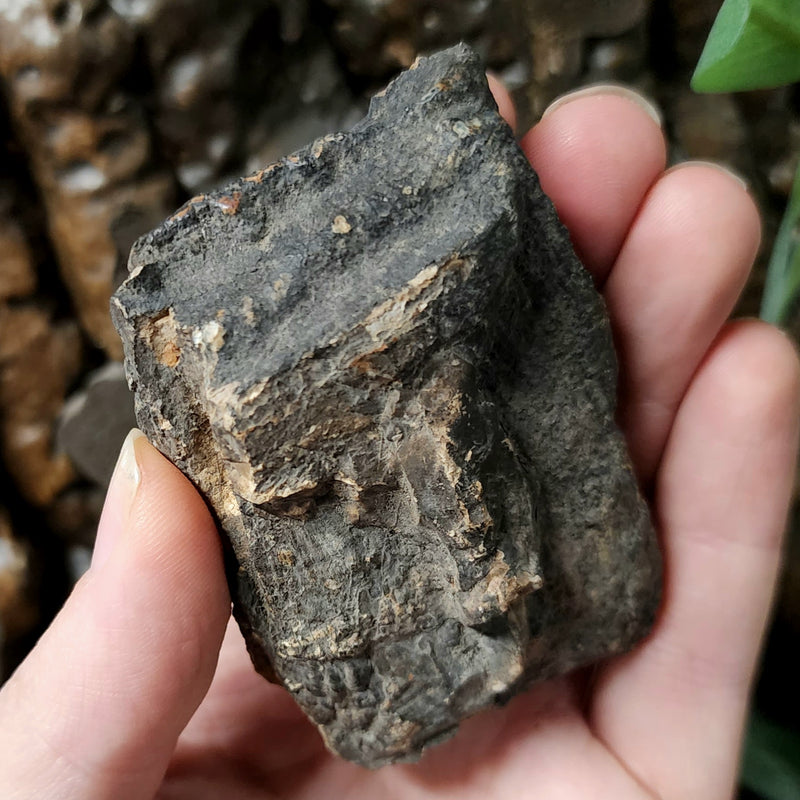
{"x":709,"y":411}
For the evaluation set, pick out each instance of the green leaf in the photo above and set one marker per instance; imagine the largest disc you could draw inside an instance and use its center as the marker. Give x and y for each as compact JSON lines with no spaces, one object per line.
{"x":754,"y":44}
{"x":783,"y":274}
{"x":771,"y":764}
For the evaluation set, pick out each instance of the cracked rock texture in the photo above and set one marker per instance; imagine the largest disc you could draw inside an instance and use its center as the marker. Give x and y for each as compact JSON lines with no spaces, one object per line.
{"x":382,"y":363}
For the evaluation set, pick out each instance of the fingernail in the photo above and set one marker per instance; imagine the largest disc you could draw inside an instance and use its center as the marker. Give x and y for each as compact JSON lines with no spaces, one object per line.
{"x":724,"y":169}
{"x":119,"y":499}
{"x":614,"y":89}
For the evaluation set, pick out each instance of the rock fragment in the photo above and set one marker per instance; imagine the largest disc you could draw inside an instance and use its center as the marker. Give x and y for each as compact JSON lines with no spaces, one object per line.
{"x":382,"y":363}
{"x":94,"y":422}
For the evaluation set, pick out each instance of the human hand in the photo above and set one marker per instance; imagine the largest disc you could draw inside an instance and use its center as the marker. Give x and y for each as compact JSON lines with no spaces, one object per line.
{"x":106,"y":706}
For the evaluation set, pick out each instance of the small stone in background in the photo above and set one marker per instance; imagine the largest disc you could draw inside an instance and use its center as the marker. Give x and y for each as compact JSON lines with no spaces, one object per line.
{"x":39,"y":359}
{"x":710,"y":126}
{"x":192,"y":51}
{"x":312,"y":99}
{"x":74,"y":514}
{"x":79,"y":559}
{"x":64,"y":66}
{"x":559,"y":31}
{"x":232,"y":80}
{"x":691,"y":21}
{"x":17,"y":275}
{"x":379,"y":38}
{"x":18,"y":612}
{"x":622,"y":59}
{"x":95,"y":421}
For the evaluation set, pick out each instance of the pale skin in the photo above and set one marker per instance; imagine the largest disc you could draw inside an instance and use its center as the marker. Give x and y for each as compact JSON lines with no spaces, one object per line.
{"x":141,"y":687}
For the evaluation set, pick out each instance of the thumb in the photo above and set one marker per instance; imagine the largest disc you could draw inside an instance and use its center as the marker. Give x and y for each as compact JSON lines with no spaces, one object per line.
{"x":96,"y":708}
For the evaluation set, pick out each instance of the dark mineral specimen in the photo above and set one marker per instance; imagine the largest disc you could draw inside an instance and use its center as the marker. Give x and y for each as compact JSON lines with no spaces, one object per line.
{"x":386,"y":369}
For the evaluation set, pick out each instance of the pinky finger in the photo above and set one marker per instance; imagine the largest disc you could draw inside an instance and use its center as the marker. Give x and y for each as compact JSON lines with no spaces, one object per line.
{"x":673,"y":710}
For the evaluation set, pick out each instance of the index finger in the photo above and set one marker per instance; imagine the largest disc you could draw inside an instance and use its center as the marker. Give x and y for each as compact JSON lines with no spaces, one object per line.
{"x":596,"y":159}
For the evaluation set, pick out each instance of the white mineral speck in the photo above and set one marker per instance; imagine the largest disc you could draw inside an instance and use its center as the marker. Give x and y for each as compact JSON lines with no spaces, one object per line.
{"x":341,"y":225}
{"x":461,"y":129}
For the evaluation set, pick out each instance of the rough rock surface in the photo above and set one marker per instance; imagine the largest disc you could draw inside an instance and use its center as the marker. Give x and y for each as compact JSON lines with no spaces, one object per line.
{"x":386,"y":369}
